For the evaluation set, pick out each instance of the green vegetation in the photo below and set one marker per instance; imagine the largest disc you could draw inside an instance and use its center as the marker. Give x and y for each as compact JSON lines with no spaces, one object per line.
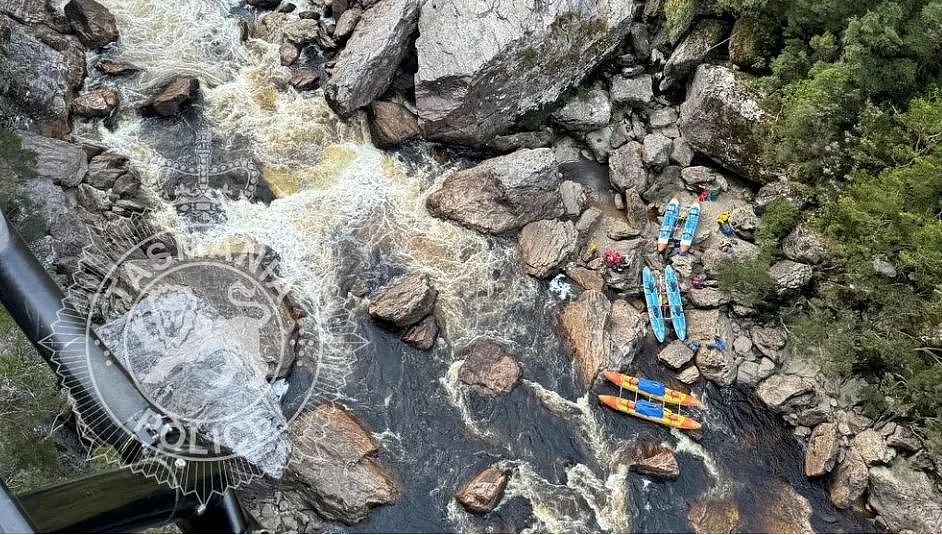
{"x":679,"y":15}
{"x":29,"y":403}
{"x":856,"y":89}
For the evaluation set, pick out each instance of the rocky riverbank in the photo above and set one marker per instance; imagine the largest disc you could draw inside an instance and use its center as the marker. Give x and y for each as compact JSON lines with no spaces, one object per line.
{"x":523,"y":98}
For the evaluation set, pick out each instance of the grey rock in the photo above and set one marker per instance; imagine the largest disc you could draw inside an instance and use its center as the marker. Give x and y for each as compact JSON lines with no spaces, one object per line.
{"x":94,"y":24}
{"x":681,"y":152}
{"x":347,"y":22}
{"x":546,"y":245}
{"x":635,"y":91}
{"x":288,"y":52}
{"x":781,"y":190}
{"x":483,"y":492}
{"x":574,"y":197}
{"x":654,"y":460}
{"x":790,"y":277}
{"x":748,"y":373}
{"x":803,"y":245}
{"x":707,"y":297}
{"x":664,"y":185}
{"x":719,"y":119}
{"x":522,"y":140}
{"x":96,"y":103}
{"x":884,"y":268}
{"x":587,"y":221}
{"x":689,"y":375}
{"x":716,"y":366}
{"x":704,"y":176}
{"x":521,"y":58}
{"x":61,"y":162}
{"x":784,"y":393}
{"x":769,"y":340}
{"x":587,"y":279}
{"x":640,"y":41}
{"x":662,"y":118}
{"x":744,"y":221}
{"x":692,"y":51}
{"x":335,"y":461}
{"x":423,"y":334}
{"x":657,"y":150}
{"x":36,"y":91}
{"x":822,"y":450}
{"x":626,"y":167}
{"x":392,"y":124}
{"x":91,"y":199}
{"x":849,"y":481}
{"x":905,"y":498}
{"x":705,"y":325}
{"x":583,"y":113}
{"x":903,"y":439}
{"x":676,"y":355}
{"x":365,"y":67}
{"x":171,"y":98}
{"x":742,"y":345}
{"x":406,"y":301}
{"x":489,"y":368}
{"x":599,"y":142}
{"x":872,"y":448}
{"x":301,"y":32}
{"x":501,"y":194}
{"x":582,"y":328}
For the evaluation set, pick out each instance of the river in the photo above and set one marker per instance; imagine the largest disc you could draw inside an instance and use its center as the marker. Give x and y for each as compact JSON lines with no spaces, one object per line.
{"x":346,"y":208}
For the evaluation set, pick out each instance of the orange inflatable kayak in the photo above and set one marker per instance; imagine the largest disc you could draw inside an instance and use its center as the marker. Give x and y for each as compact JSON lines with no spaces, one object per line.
{"x":650,"y":411}
{"x":651,"y":389}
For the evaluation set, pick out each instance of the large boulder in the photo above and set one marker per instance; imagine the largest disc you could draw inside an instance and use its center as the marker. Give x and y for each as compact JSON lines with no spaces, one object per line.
{"x":366,"y":65}
{"x":905,"y":498}
{"x":406,"y":301}
{"x":783,"y":393}
{"x":636,"y":91}
{"x":483,"y":64}
{"x":63,"y":163}
{"x":36,"y":86}
{"x":335,"y":464}
{"x":546,"y":245}
{"x":692,"y":51}
{"x":94,"y":24}
{"x":501,"y":194}
{"x":822,"y":450}
{"x":872,"y":447}
{"x":720,"y":119}
{"x":489,"y":369}
{"x":483,"y":492}
{"x":656,"y":461}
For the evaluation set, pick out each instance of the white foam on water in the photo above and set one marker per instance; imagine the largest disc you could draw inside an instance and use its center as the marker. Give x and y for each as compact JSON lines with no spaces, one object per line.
{"x":455,"y":392}
{"x":561,"y":508}
{"x":688,"y":445}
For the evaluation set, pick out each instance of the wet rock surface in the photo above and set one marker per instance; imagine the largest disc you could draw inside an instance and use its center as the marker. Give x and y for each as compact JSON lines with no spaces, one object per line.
{"x":335,"y":465}
{"x":93,"y":23}
{"x":655,"y":461}
{"x":366,"y":66}
{"x":405,"y":301}
{"x":489,"y":369}
{"x":483,"y":492}
{"x":171,"y":98}
{"x":392,"y":124}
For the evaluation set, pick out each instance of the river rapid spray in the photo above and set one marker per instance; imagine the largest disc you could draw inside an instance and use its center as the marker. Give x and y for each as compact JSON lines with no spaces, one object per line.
{"x":342,"y":205}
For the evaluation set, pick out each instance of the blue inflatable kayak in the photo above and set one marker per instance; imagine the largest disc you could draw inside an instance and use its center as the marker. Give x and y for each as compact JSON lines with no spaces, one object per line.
{"x":672,"y":282}
{"x":690,"y":227}
{"x":652,"y":298}
{"x":666,"y":234}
